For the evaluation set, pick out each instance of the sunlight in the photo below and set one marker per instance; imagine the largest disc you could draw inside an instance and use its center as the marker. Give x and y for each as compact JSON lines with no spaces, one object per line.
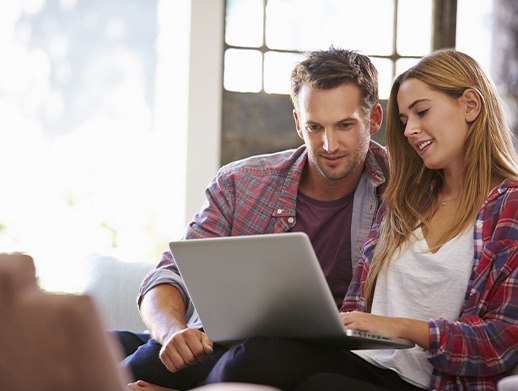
{"x":84,"y":166}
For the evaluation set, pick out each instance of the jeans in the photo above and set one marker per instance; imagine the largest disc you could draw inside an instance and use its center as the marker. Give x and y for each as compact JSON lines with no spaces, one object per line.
{"x":142,"y":360}
{"x":291,"y":364}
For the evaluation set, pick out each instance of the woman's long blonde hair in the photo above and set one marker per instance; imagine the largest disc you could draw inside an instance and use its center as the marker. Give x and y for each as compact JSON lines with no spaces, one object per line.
{"x":413,"y":189}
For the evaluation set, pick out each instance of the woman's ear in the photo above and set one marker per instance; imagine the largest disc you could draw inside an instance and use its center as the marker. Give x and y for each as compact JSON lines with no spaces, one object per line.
{"x":473,"y":104}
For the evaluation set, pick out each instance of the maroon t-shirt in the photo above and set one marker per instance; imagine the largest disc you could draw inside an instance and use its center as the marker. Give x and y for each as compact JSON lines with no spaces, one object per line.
{"x":328,"y":225}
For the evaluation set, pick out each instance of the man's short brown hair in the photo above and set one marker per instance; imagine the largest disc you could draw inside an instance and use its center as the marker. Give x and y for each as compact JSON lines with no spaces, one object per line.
{"x":326,"y":69}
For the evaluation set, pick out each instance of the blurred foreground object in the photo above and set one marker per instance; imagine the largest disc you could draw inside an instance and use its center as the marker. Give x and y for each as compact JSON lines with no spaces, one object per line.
{"x":50,"y":342}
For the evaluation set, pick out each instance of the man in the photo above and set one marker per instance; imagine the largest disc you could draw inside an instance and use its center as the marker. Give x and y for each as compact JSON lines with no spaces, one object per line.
{"x":328,"y":188}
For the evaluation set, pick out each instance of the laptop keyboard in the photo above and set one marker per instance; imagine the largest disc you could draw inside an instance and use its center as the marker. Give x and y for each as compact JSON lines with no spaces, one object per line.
{"x":373,"y":336}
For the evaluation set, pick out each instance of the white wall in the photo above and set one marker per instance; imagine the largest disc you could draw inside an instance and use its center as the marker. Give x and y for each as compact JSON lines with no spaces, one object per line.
{"x":205,"y":94}
{"x":190,"y":87}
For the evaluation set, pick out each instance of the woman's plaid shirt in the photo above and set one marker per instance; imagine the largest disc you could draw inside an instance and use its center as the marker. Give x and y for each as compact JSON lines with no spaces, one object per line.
{"x":475,"y":351}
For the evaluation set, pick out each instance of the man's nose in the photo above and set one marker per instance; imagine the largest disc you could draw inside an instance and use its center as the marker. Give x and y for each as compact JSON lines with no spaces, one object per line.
{"x":330,"y":141}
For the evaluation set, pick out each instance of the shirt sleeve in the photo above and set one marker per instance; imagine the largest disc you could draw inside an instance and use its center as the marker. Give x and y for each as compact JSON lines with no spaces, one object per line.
{"x":214,"y":219}
{"x":483,"y":344}
{"x":484,"y":340}
{"x":354,"y":299}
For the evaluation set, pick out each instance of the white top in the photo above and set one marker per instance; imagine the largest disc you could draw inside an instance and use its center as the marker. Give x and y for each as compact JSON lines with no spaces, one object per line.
{"x":421,"y":285}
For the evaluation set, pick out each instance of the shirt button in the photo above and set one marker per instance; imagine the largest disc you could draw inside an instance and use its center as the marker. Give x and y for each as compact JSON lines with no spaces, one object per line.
{"x":479,"y":224}
{"x":279,"y":211}
{"x":291,"y":220}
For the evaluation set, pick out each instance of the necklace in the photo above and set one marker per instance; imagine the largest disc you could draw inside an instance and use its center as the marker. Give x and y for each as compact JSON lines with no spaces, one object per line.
{"x":445,"y":201}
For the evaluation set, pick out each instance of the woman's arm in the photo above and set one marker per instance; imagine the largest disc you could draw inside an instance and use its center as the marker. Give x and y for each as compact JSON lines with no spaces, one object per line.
{"x":484,"y":340}
{"x":473,"y":345}
{"x":416,"y":331}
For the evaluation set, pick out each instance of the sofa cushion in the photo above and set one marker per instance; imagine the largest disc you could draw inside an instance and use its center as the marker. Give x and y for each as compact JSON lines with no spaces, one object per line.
{"x":114,"y":285}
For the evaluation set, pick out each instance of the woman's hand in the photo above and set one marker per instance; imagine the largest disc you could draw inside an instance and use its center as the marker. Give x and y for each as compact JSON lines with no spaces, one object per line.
{"x":415,"y":330}
{"x":389,"y":327}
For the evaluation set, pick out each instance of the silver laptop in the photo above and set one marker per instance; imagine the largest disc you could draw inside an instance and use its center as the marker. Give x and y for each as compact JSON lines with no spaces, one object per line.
{"x":266,"y":286}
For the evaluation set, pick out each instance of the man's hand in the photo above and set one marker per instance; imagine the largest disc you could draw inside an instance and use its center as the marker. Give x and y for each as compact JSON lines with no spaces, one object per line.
{"x":415,"y":330}
{"x":185,"y":347}
{"x":163,"y":312}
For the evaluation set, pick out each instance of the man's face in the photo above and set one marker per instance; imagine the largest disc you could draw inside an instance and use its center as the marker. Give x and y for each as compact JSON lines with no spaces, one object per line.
{"x":335,"y":129}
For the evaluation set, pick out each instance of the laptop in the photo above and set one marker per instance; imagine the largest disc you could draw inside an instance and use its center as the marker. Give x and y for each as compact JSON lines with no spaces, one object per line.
{"x":266,"y":286}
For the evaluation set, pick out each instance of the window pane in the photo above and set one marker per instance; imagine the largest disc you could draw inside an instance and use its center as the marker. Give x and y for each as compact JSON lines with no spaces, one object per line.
{"x":384,"y":67}
{"x":277,"y":71}
{"x":243,"y":70}
{"x":82,"y":140}
{"x":244,"y":23}
{"x":414,"y":32}
{"x":405,"y":63}
{"x":474,"y":30}
{"x":336,"y":22}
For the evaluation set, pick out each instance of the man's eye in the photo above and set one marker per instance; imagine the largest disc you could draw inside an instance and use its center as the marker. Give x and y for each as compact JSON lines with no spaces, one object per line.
{"x":345,"y":125}
{"x":313,"y":127}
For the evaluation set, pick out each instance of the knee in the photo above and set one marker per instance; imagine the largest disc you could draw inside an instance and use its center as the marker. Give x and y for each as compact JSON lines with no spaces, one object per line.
{"x":145,"y":362}
{"x":245,"y":359}
{"x":128,"y":341}
{"x":256,"y":360}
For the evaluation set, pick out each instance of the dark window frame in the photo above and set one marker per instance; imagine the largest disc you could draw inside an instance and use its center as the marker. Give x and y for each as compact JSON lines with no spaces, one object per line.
{"x":444,"y":16}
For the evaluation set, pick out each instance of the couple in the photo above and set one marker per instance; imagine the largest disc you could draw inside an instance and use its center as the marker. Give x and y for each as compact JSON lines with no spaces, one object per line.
{"x":438,"y":267}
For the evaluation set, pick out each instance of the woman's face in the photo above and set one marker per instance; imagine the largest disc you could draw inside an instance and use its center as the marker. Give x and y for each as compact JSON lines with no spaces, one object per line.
{"x":435,"y":124}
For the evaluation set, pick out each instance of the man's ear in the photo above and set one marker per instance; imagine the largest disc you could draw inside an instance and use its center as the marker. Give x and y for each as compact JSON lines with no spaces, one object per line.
{"x":376,"y":118}
{"x":297,"y":124}
{"x":472,"y":104}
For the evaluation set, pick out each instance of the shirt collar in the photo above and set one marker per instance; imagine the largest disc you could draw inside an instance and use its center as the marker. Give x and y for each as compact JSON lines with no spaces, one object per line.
{"x":375,"y":159}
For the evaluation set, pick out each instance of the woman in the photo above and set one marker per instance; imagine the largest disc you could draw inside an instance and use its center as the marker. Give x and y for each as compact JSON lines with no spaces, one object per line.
{"x":440,"y":265}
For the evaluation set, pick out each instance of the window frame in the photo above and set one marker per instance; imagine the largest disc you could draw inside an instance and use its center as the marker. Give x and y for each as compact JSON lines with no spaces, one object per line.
{"x":444,"y":14}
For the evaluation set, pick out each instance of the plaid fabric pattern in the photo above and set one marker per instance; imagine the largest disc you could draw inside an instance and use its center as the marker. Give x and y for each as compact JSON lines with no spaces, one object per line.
{"x":475,"y":351}
{"x":257,"y":196}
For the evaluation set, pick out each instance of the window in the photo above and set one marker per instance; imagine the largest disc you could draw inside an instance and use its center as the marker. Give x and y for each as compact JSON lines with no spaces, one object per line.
{"x":86,"y":135}
{"x":264,"y":38}
{"x":474,"y":30}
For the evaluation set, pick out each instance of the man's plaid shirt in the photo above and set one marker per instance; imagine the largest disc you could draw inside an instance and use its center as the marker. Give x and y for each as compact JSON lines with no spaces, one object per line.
{"x":258,"y":195}
{"x":475,"y":351}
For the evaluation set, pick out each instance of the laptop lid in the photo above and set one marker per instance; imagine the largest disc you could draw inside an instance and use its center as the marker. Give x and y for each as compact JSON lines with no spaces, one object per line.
{"x":264,"y":286}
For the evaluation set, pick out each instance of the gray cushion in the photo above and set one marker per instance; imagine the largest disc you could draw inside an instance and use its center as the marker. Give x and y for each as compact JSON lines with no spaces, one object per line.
{"x":114,"y":285}
{"x":508,"y":384}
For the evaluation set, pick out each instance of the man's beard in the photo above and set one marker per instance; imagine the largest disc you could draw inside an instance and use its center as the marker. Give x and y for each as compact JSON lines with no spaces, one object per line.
{"x":350,"y":164}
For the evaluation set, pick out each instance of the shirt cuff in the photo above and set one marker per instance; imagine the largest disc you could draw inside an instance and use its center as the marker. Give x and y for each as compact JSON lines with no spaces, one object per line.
{"x":434,"y":335}
{"x":165,"y":276}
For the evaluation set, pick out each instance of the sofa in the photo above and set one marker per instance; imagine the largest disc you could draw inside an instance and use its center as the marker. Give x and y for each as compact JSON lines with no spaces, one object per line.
{"x":113,"y":285}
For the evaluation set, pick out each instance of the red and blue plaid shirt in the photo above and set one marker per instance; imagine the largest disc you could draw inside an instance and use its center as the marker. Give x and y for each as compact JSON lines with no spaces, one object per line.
{"x":258,"y":195}
{"x":475,"y":351}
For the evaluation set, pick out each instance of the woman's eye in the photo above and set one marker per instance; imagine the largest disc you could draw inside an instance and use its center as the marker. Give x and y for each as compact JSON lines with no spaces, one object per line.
{"x":422,"y":112}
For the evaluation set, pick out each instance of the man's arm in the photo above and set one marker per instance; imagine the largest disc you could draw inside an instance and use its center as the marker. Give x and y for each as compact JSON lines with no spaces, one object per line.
{"x":164,"y":303}
{"x":163,"y":312}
